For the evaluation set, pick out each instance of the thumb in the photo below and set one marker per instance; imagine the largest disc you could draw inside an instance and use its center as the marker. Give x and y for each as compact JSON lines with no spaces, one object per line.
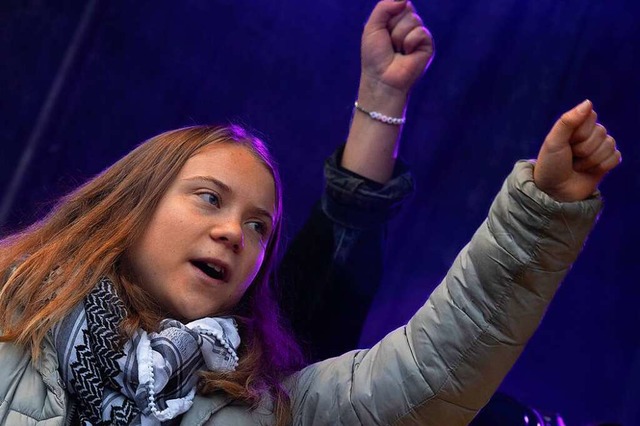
{"x":383,"y":12}
{"x":563,"y":129}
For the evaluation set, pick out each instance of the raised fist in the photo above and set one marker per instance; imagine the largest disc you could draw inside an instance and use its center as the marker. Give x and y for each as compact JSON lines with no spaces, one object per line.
{"x":396,"y":46}
{"x":575,"y":156}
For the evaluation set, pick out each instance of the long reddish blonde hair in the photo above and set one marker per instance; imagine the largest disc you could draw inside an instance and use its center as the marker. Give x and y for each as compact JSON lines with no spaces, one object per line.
{"x":52,"y":265}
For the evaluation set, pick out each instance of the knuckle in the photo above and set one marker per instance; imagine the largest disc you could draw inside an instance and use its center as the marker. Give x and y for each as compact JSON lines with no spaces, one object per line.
{"x":601,"y":168}
{"x":611,"y":143}
{"x":590,"y":161}
{"x":606,"y":166}
{"x":581,"y":150}
{"x":581,"y":165}
{"x":420,"y":34}
{"x":565,"y":120}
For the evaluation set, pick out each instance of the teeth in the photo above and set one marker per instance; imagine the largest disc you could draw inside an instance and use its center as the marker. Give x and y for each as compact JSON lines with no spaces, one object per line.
{"x":215,"y":268}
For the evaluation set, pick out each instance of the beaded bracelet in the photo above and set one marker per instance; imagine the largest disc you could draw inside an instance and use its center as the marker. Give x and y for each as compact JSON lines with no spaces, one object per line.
{"x":381,"y":117}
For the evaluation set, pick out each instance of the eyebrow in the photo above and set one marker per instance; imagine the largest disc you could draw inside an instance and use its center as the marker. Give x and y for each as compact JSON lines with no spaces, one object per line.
{"x":225,"y":188}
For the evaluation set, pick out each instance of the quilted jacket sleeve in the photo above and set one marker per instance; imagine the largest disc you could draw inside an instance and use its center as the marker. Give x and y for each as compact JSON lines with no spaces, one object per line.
{"x":30,"y":394}
{"x":444,"y":365}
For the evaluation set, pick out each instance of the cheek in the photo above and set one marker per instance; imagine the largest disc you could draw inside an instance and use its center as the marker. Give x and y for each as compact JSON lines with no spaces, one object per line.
{"x":142,"y":261}
{"x":253,"y":270}
{"x":154,"y":254}
{"x":257,"y":264}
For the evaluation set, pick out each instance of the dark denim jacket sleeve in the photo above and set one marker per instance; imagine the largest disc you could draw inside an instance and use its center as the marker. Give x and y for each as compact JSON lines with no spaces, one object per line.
{"x":333,"y":267}
{"x":353,"y":201}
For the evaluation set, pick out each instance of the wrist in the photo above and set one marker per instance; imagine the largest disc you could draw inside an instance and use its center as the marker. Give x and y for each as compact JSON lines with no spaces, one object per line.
{"x":378,"y":96}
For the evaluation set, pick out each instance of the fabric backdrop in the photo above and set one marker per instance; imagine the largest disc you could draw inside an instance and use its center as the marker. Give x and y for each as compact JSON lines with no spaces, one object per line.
{"x":83,"y":82}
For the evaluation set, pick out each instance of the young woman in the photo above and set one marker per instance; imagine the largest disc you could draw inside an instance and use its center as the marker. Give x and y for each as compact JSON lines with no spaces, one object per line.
{"x":155,"y":276}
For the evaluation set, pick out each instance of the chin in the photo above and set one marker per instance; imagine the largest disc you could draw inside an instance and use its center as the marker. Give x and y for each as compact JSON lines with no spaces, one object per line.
{"x":195,"y":314}
{"x":186,"y":314}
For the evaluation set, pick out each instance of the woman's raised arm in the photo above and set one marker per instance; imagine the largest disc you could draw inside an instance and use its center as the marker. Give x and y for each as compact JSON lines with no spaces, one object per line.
{"x":396,"y":49}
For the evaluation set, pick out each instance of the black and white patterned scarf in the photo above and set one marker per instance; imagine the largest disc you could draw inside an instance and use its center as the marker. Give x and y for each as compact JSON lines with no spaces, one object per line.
{"x":149,"y":380}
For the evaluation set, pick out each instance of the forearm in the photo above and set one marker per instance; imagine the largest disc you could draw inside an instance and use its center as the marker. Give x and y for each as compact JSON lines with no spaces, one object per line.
{"x":396,"y":49}
{"x":372,"y":146}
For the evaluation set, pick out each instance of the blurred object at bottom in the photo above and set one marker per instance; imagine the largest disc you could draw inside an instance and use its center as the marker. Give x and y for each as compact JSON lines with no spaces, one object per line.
{"x":503,"y":410}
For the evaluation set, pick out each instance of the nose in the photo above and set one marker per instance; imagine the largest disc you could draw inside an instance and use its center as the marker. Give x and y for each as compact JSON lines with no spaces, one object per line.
{"x":230,"y":234}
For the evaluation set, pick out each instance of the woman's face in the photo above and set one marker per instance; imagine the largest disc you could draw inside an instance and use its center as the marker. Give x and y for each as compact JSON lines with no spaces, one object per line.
{"x":207,"y":239}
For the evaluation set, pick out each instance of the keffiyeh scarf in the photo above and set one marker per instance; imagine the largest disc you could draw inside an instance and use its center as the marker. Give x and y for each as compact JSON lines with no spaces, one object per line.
{"x":149,"y":380}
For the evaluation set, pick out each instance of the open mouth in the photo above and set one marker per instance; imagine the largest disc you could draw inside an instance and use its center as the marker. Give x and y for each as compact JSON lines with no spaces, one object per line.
{"x":214,"y":271}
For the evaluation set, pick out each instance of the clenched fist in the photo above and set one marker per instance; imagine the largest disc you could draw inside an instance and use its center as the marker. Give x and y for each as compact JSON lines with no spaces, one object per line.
{"x":575,"y":156}
{"x":396,"y":46}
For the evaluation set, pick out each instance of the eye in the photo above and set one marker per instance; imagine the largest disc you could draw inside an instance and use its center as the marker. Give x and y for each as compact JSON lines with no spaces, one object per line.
{"x":259,"y":227}
{"x":210,"y":198}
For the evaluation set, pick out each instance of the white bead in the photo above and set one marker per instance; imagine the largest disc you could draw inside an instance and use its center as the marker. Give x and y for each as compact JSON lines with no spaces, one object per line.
{"x":375,"y":115}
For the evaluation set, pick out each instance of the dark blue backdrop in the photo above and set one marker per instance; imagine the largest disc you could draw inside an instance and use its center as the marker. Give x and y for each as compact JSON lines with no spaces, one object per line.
{"x":83,"y":82}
